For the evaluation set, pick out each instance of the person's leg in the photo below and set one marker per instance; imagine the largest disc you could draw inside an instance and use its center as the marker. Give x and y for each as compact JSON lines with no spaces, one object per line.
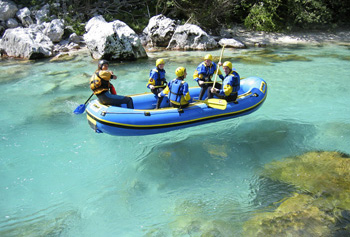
{"x":232,"y":97}
{"x":210,"y":94}
{"x":204,"y":88}
{"x":107,"y":98}
{"x":159,"y":99}
{"x":128,"y":101}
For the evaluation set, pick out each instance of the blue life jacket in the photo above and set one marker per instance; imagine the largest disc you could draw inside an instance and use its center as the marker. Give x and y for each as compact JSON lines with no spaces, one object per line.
{"x":176,"y":90}
{"x":207,"y":71}
{"x":158,"y":76}
{"x":233,"y":80}
{"x":236,"y":81}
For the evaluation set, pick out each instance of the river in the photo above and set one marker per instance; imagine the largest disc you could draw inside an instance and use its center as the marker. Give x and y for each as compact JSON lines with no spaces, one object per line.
{"x":59,"y":178}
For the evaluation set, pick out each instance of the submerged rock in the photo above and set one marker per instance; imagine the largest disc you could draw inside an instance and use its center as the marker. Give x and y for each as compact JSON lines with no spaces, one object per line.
{"x":63,"y":57}
{"x":294,"y":217}
{"x":319,"y":173}
{"x":321,"y":205}
{"x":267,"y":57}
{"x":193,"y":218}
{"x":41,"y":224}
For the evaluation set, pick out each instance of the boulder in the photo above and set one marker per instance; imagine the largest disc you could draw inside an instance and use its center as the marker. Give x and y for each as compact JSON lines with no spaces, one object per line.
{"x":54,"y":30}
{"x":26,"y":43}
{"x":112,"y":40}
{"x":191,"y":37}
{"x":41,"y":14}
{"x":159,"y":31}
{"x":11,"y":23}
{"x":24,"y":16}
{"x":232,"y":43}
{"x":8,"y":10}
{"x":74,"y":38}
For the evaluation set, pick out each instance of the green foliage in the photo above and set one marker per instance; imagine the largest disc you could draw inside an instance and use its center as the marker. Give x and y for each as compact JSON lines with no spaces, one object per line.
{"x":211,"y":15}
{"x":262,"y":17}
{"x":308,"y":14}
{"x":268,"y":15}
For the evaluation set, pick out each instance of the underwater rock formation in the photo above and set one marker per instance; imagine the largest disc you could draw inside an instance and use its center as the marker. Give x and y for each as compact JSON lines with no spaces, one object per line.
{"x":322,"y":201}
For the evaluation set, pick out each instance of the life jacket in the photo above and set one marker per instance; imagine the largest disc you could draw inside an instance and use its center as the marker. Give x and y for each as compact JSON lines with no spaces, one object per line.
{"x":236,"y":81}
{"x":205,"y":72}
{"x":233,"y":80}
{"x":160,"y":80}
{"x":98,"y":84}
{"x":176,"y":90}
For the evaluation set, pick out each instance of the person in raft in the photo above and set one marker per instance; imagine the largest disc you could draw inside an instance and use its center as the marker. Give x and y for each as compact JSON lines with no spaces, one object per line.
{"x":177,"y":89}
{"x":230,"y":85}
{"x":204,"y":73}
{"x":101,"y":86}
{"x":157,"y":81}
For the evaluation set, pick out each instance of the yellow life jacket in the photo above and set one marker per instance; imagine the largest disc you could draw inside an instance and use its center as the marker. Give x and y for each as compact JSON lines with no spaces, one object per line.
{"x":99,"y":82}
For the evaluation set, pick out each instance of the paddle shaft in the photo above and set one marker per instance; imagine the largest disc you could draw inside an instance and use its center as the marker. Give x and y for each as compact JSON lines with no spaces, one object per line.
{"x":218,"y":67}
{"x":88,"y":99}
{"x":159,"y":86}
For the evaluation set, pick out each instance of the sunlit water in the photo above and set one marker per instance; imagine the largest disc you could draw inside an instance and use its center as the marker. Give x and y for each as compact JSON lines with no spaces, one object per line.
{"x":59,"y":178}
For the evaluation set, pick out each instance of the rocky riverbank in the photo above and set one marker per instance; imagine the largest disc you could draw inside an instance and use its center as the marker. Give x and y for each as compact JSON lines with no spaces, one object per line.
{"x":250,"y":38}
{"x":23,"y":37}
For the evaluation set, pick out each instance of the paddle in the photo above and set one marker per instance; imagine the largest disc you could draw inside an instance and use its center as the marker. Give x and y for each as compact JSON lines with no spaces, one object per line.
{"x":160,"y":86}
{"x":217,"y":70}
{"x":81,"y":108}
{"x":215,"y":103}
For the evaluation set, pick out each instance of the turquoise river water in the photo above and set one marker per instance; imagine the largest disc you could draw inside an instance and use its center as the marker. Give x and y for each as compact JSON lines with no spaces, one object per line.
{"x":59,"y":178}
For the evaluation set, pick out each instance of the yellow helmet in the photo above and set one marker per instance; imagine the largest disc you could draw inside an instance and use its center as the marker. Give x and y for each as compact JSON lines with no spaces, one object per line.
{"x":159,"y":61}
{"x":227,"y":64}
{"x":209,"y":57}
{"x":180,"y":71}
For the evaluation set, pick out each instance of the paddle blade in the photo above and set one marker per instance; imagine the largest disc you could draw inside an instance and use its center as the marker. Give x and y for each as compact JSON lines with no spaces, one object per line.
{"x":80,"y":109}
{"x":216,"y":103}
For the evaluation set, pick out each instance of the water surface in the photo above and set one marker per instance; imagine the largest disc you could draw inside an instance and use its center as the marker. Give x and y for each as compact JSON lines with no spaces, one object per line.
{"x":59,"y":178}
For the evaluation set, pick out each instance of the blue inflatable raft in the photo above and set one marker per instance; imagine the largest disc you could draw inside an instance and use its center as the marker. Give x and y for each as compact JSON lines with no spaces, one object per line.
{"x":145,"y":119}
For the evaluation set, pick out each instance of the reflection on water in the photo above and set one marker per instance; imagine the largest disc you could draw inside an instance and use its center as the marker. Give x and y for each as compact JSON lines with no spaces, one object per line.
{"x":60,"y":178}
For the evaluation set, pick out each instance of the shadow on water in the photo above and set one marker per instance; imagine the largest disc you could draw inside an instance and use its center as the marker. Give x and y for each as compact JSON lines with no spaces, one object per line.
{"x":220,"y":166}
{"x":246,"y":145}
{"x":211,"y":176}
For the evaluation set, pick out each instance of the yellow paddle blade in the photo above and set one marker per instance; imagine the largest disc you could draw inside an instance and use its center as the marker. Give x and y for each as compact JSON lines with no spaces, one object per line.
{"x":215,"y":103}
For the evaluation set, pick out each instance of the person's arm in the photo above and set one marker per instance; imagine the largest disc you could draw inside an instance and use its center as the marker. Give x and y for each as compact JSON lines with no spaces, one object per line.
{"x":165,"y":91}
{"x":112,"y":89}
{"x":228,"y":86}
{"x":220,"y":75}
{"x":186,"y":92}
{"x":227,"y":90}
{"x":198,"y":74}
{"x":152,"y":79}
{"x":112,"y":75}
